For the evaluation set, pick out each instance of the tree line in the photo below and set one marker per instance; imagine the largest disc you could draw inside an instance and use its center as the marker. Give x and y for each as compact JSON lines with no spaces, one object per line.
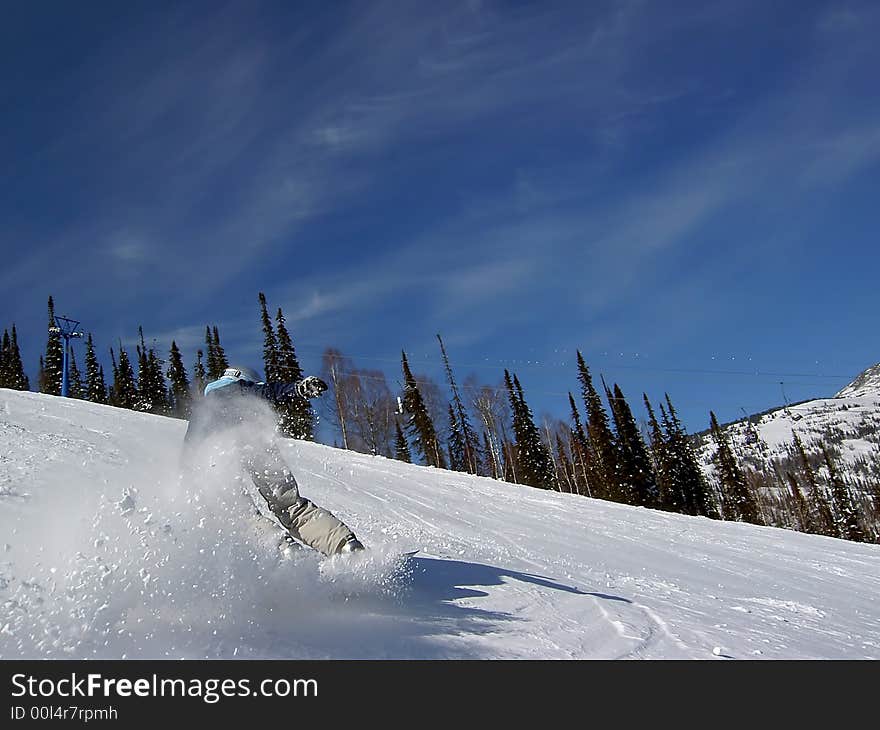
{"x":601,"y":451}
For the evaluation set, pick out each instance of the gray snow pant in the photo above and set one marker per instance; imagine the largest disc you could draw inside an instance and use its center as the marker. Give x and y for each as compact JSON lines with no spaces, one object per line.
{"x":306,"y":522}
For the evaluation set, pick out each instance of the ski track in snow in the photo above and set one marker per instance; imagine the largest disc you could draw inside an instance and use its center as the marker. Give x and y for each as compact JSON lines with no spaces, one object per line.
{"x":105,"y":553}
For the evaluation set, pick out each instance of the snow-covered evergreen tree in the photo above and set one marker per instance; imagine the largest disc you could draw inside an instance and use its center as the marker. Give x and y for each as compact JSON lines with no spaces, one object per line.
{"x":125,"y":390}
{"x":297,"y":419}
{"x":75,"y":387}
{"x":152,"y":391}
{"x":686,"y":476}
{"x":667,"y":495}
{"x":53,"y":362}
{"x":738,"y":502}
{"x":219,"y":353}
{"x":455,"y":445}
{"x":18,"y":378}
{"x":601,"y":437}
{"x":211,"y":351}
{"x":846,"y":516}
{"x":96,"y":387}
{"x":5,"y":360}
{"x":534,"y":461}
{"x":636,"y":464}
{"x":271,"y":364}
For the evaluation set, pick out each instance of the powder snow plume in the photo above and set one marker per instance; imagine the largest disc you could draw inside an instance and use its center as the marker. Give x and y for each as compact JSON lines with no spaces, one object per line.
{"x":155,"y":564}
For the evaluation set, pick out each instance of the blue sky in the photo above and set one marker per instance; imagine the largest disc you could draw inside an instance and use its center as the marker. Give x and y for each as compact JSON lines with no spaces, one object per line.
{"x":687,"y":192}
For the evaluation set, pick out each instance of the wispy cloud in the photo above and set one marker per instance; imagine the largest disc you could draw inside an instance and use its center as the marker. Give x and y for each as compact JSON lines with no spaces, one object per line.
{"x":128,"y":247}
{"x":838,"y":157}
{"x":234,"y":141}
{"x":235,"y":153}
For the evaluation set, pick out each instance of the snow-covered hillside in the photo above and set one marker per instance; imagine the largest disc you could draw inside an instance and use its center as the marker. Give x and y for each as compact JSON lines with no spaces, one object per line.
{"x":849,"y":423}
{"x":103,"y":553}
{"x":866,"y":384}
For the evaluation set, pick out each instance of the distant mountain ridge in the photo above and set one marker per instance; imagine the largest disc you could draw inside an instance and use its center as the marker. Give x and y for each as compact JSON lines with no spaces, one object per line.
{"x":866,"y":384}
{"x":848,"y":423}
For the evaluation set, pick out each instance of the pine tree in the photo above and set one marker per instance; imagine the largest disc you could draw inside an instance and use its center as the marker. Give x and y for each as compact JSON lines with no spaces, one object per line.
{"x":601,"y":438}
{"x":41,"y":375}
{"x":297,"y":418}
{"x":180,"y":386}
{"x":686,"y":476}
{"x":289,"y":370}
{"x":125,"y":391}
{"x":516,"y":411}
{"x":12,"y":374}
{"x":667,"y":497}
{"x":112,"y":398}
{"x":18,"y":378}
{"x":271,"y":362}
{"x":53,"y":364}
{"x":151,"y":382}
{"x":143,"y":378}
{"x":211,"y":349}
{"x":200,"y":377}
{"x":533,"y":459}
{"x":738,"y":500}
{"x":635,"y":462}
{"x":587,"y":479}
{"x":467,"y":439}
{"x":96,"y":388}
{"x":219,"y":353}
{"x":75,"y":388}
{"x":539,"y":455}
{"x":401,"y":447}
{"x":5,"y":360}
{"x":103,"y":383}
{"x":159,"y":388}
{"x":455,"y":443}
{"x":216,"y":360}
{"x":624,"y":477}
{"x":420,"y":426}
{"x":846,"y":514}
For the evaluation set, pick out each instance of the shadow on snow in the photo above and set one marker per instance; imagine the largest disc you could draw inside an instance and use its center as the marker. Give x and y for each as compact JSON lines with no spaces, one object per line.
{"x":427,"y":619}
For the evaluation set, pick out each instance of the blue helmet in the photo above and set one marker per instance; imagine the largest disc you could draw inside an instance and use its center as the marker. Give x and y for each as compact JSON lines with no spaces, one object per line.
{"x":248,"y":374}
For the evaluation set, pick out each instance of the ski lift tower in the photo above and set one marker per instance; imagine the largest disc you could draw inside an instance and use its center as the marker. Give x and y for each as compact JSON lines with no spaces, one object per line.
{"x":66,"y":328}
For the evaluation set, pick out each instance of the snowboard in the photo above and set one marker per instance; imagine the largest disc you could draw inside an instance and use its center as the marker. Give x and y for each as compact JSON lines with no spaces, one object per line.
{"x":366,"y":552}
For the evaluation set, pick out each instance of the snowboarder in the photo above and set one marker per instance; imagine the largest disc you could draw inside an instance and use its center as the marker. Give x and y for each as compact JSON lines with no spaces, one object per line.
{"x":233,"y":407}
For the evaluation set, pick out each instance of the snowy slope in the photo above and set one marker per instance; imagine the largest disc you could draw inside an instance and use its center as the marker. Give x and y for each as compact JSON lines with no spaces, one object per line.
{"x":104,"y":554}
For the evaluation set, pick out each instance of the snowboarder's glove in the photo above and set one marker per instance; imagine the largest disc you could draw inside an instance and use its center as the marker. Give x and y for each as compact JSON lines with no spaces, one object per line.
{"x":311,"y":387}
